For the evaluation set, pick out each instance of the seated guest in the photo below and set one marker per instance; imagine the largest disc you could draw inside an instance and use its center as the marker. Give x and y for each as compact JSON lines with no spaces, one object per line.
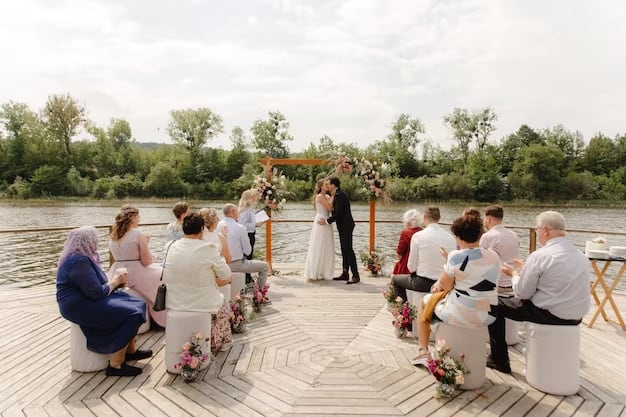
{"x":425,"y":262}
{"x":191,"y":267}
{"x":470,"y":280}
{"x":129,"y":248}
{"x":551,"y":287}
{"x":174,"y":230}
{"x":210,"y":233}
{"x":239,"y":246}
{"x":501,"y":240}
{"x":411,"y":220}
{"x":108,"y":317}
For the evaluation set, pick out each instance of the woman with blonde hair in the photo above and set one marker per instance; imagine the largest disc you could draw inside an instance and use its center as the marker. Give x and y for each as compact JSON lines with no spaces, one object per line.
{"x":247,"y":213}
{"x":130,"y":250}
{"x":320,"y":258}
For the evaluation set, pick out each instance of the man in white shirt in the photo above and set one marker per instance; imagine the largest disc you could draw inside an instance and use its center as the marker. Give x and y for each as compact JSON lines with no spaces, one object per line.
{"x":503,"y":241}
{"x":239,"y":246}
{"x":551,"y":287}
{"x":426,"y":260}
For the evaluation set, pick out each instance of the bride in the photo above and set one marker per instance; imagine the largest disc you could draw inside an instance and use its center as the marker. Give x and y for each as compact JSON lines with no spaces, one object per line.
{"x":320,"y":259}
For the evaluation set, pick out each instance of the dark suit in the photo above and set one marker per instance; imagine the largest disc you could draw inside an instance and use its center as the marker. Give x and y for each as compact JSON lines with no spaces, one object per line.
{"x":342,"y":216}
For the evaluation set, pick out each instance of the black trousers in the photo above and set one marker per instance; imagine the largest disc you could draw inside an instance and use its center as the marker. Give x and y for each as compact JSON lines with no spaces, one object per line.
{"x":401,"y":283}
{"x":347,"y":253}
{"x":518,"y":310}
{"x":252,"y":237}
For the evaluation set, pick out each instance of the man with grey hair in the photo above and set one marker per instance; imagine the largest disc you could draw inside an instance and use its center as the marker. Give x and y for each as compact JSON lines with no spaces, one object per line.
{"x":426,"y":260}
{"x":551,"y":287}
{"x":239,"y":245}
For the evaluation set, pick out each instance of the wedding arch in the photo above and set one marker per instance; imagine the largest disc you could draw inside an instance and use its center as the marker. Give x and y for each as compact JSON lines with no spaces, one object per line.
{"x":269,"y":162}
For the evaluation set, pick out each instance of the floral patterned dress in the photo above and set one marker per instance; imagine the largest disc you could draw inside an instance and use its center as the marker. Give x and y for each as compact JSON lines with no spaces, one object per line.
{"x":220,"y":329}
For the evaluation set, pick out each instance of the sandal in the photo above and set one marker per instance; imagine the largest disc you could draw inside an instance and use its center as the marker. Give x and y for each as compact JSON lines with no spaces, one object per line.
{"x":421,"y":358}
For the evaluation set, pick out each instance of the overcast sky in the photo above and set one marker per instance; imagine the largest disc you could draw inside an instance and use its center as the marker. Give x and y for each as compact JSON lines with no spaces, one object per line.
{"x":345,"y":69}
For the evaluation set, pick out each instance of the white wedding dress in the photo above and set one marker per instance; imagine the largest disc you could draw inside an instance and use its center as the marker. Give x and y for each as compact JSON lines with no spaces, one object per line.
{"x":320,"y":259}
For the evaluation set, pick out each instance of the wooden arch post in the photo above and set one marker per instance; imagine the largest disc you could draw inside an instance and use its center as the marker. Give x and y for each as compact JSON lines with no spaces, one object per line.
{"x":308,"y":161}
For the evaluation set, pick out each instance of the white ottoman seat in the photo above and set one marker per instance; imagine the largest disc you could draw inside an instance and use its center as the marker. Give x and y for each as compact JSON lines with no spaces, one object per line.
{"x":146,"y":326}
{"x":181,"y":325}
{"x":512,"y":332}
{"x":553,"y":358}
{"x":415,"y":298}
{"x":82,"y":359}
{"x":471,"y":343}
{"x":237,"y":284}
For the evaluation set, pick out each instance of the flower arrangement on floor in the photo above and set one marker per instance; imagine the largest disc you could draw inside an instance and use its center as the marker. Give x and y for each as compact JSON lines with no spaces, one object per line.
{"x":403,"y":314}
{"x":259,"y":296}
{"x":192,"y":357}
{"x":271,"y":189}
{"x":237,"y":315}
{"x":372,"y":261}
{"x":390,"y":296}
{"x":447,"y":370}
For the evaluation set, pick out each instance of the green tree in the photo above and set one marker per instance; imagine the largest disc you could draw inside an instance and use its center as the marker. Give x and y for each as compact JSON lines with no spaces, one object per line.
{"x":23,"y":129}
{"x":483,"y":172}
{"x":512,"y":145}
{"x":270,"y":136}
{"x":239,"y":156}
{"x":193,"y":129}
{"x":468,"y":127}
{"x":600,"y":156}
{"x":62,"y":117}
{"x":48,"y":180}
{"x":537,"y":174}
{"x":164,"y":181}
{"x":570,"y":143}
{"x":119,"y":133}
{"x":400,"y":146}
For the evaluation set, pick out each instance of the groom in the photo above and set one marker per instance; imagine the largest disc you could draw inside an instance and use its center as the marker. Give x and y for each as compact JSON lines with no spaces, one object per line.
{"x":345,"y":226}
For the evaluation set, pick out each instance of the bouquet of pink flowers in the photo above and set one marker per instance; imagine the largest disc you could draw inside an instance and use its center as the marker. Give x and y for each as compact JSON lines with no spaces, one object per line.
{"x":403,"y":314}
{"x":192,"y":357}
{"x":259,"y":296}
{"x":237,"y":316}
{"x":448,"y":371}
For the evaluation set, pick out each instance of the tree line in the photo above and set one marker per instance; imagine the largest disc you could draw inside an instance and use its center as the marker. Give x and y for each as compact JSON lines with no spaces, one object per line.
{"x":58,"y":151}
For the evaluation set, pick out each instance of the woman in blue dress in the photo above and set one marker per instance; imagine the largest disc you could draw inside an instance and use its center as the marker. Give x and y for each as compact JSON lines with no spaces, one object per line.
{"x":108,"y":317}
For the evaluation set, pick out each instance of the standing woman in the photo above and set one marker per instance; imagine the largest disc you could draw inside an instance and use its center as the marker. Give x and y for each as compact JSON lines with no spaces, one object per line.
{"x":247,"y":213}
{"x":130,"y":249}
{"x":108,"y":318}
{"x":320,"y":259}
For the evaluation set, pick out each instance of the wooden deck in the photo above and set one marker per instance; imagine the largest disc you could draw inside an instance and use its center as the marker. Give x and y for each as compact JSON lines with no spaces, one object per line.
{"x":321,"y":349}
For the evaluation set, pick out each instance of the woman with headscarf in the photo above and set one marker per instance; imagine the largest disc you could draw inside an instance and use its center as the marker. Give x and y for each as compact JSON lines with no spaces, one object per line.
{"x":108,"y":317}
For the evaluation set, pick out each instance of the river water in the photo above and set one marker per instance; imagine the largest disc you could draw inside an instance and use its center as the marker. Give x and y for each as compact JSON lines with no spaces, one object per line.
{"x":29,"y":258}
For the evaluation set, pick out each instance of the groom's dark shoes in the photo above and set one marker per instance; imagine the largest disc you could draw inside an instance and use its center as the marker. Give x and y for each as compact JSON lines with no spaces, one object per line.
{"x":354,"y":280}
{"x":342,"y":277}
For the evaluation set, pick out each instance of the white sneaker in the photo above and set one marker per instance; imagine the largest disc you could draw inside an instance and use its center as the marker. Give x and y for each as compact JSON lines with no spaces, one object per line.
{"x":226,"y":346}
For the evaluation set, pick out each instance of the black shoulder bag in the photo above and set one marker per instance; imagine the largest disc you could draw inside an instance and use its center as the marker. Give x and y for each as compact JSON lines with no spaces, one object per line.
{"x":159,"y":300}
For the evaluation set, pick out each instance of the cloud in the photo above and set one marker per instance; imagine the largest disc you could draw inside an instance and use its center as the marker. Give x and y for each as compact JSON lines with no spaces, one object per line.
{"x":343,"y":69}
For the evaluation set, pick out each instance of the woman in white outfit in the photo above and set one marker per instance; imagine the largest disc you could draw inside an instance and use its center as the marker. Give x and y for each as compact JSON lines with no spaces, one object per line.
{"x":320,"y":259}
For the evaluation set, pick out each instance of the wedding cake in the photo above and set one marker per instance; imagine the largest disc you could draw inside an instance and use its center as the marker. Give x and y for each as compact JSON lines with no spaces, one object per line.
{"x":596,"y":248}
{"x":617,"y":251}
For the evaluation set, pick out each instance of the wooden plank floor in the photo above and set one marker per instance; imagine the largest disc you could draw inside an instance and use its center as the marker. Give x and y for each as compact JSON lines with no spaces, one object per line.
{"x":321,"y":349}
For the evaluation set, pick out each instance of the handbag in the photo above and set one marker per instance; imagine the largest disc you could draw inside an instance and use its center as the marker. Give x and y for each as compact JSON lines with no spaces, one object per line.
{"x":159,"y":300}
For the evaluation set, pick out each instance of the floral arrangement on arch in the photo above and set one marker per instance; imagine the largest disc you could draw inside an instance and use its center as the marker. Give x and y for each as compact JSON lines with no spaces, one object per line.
{"x":372,"y":261}
{"x":371,"y":173}
{"x":271,"y":188}
{"x":447,"y":370}
{"x":192,"y":356}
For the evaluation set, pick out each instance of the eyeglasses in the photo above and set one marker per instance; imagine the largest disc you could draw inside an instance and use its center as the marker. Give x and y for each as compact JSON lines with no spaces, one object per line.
{"x":537,"y":228}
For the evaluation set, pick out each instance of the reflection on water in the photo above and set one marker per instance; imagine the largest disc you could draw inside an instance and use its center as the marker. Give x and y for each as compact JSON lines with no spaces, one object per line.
{"x":28,"y":259}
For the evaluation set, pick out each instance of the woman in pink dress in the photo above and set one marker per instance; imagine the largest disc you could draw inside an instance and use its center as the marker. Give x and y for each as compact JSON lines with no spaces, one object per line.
{"x":130,"y":250}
